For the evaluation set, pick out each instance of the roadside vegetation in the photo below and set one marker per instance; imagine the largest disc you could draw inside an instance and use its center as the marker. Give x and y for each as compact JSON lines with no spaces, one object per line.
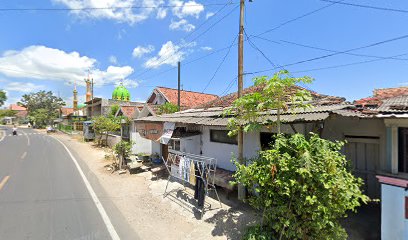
{"x":42,"y":107}
{"x":302,"y":185}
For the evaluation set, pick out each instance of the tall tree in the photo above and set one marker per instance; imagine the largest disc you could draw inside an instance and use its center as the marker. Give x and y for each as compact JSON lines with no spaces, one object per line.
{"x":42,"y":106}
{"x":278,"y":93}
{"x":3,"y":97}
{"x":42,"y":100}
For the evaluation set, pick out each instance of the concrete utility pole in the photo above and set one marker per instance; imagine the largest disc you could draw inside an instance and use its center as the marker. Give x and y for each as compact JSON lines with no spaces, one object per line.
{"x":241,"y":188}
{"x":178,"y":100}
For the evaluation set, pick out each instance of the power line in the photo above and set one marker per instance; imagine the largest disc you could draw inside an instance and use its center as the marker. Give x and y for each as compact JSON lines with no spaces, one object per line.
{"x":334,"y":51}
{"x":299,"y":17}
{"x":186,"y":44}
{"x":229,"y":86}
{"x":337,"y":53}
{"x":370,"y":7}
{"x":349,"y":64}
{"x":219,"y":65}
{"x":113,"y":8}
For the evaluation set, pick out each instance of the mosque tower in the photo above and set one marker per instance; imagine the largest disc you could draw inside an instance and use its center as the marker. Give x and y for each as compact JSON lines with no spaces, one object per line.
{"x":75,"y":102}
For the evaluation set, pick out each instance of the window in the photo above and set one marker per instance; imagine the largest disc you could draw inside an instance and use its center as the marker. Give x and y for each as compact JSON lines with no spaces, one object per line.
{"x":174,"y":144}
{"x":267,"y":140}
{"x":221,"y":136}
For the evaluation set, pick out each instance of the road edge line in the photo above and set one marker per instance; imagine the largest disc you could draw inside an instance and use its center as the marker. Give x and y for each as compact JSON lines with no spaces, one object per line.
{"x":111,"y":229}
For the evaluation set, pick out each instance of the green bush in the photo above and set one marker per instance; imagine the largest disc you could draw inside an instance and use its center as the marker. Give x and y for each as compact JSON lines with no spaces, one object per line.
{"x":257,"y":233}
{"x":302,"y":187}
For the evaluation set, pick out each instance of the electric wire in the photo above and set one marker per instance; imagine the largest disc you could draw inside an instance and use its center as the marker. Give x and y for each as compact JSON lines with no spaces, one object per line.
{"x":337,"y":53}
{"x":219,"y":65}
{"x":187,"y":44}
{"x":370,"y":7}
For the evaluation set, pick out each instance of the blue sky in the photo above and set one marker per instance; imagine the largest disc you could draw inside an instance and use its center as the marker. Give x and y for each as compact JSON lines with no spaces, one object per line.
{"x":50,"y":50}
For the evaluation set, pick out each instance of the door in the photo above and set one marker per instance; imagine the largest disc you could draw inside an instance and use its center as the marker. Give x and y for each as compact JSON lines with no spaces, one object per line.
{"x":364,"y":154}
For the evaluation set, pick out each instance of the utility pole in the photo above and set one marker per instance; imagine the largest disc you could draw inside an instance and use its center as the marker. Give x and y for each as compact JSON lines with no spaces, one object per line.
{"x":241,"y":188}
{"x":178,"y":100}
{"x":92,"y":97}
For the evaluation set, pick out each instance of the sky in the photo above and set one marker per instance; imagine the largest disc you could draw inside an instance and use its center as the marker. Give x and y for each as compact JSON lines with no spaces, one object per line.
{"x":350,"y":47}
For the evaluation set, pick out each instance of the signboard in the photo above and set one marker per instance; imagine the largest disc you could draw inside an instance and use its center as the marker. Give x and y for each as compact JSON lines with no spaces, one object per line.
{"x":151,"y":131}
{"x":168,"y":129}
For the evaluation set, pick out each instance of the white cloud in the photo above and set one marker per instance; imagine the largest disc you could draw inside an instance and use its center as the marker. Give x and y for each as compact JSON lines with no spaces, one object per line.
{"x":181,"y":25}
{"x":128,"y":83}
{"x":119,"y":10}
{"x":209,"y":14}
{"x":169,"y":54}
{"x":184,"y":9}
{"x":139,"y":51}
{"x":206,"y":48}
{"x":113,"y":60}
{"x":24,"y":87}
{"x":161,"y":13}
{"x":40,"y":62}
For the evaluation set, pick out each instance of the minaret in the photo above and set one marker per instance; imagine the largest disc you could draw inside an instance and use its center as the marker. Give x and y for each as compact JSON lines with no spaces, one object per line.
{"x":75,"y":102}
{"x":88,"y":89}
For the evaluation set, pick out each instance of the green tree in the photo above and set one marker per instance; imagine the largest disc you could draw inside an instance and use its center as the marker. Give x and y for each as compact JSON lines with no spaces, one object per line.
{"x":103,"y":126}
{"x":41,"y":117}
{"x":44,"y":101}
{"x":167,"y":108}
{"x":3,"y":97}
{"x":303,"y":187}
{"x":278,"y":92}
{"x":123,"y":149}
{"x":7,"y":113}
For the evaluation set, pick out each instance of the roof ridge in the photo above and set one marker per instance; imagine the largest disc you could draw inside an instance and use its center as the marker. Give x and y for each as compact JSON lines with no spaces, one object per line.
{"x":187,"y":91}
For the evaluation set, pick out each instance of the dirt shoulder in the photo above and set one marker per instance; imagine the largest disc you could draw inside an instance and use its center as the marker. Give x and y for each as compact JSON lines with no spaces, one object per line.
{"x":139,"y":198}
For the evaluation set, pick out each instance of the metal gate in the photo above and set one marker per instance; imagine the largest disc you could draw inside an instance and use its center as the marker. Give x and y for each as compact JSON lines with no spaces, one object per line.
{"x":364,"y":154}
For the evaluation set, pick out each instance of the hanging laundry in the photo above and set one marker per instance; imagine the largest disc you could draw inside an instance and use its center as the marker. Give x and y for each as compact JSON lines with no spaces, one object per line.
{"x":192,"y":179}
{"x":181,"y":167}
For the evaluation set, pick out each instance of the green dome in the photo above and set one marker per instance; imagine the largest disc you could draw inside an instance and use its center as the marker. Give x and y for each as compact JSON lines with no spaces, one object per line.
{"x":121,"y":93}
{"x":81,"y":105}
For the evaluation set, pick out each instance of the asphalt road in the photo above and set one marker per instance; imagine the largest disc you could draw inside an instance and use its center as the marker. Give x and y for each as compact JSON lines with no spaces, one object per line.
{"x":44,"y":196}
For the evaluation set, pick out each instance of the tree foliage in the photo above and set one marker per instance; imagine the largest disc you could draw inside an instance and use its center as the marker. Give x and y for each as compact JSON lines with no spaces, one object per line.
{"x":41,"y":117}
{"x":42,"y":106}
{"x":278,"y":93}
{"x":3,"y":97}
{"x":123,"y":149}
{"x":7,"y":113}
{"x":167,"y":108}
{"x":303,"y":187}
{"x":103,"y":125}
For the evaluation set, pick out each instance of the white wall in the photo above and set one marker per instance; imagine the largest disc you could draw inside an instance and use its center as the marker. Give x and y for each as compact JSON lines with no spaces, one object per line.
{"x":394,"y":226}
{"x":223,"y":152}
{"x":191,"y":144}
{"x":336,"y":127}
{"x":143,"y":145}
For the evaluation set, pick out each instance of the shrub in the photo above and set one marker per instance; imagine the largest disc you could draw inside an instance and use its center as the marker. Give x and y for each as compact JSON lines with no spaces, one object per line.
{"x":303,"y":187}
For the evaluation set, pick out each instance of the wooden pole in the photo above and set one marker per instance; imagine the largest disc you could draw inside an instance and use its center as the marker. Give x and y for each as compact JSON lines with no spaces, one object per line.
{"x":178,"y":100}
{"x":241,"y":188}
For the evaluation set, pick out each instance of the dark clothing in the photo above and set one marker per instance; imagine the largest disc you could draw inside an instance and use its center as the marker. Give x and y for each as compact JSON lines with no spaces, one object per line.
{"x":199,"y":190}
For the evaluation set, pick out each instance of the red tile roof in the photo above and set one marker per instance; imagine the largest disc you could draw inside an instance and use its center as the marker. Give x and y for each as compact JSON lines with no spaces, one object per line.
{"x":128,"y":111}
{"x":66,"y":111}
{"x":16,"y":107}
{"x":188,"y":99}
{"x":227,"y":100}
{"x":381,"y":94}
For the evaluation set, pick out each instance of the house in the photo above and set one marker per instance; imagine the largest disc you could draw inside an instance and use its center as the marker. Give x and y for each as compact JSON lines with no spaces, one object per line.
{"x":21,"y":111}
{"x":204,"y":131}
{"x":158,"y":97}
{"x":390,"y":105}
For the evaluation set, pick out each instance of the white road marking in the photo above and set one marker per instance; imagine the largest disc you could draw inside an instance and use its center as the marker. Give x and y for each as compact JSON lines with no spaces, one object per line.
{"x":3,"y":136}
{"x":28,"y":140}
{"x":3,"y":182}
{"x":114,"y":235}
{"x":24,"y":155}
